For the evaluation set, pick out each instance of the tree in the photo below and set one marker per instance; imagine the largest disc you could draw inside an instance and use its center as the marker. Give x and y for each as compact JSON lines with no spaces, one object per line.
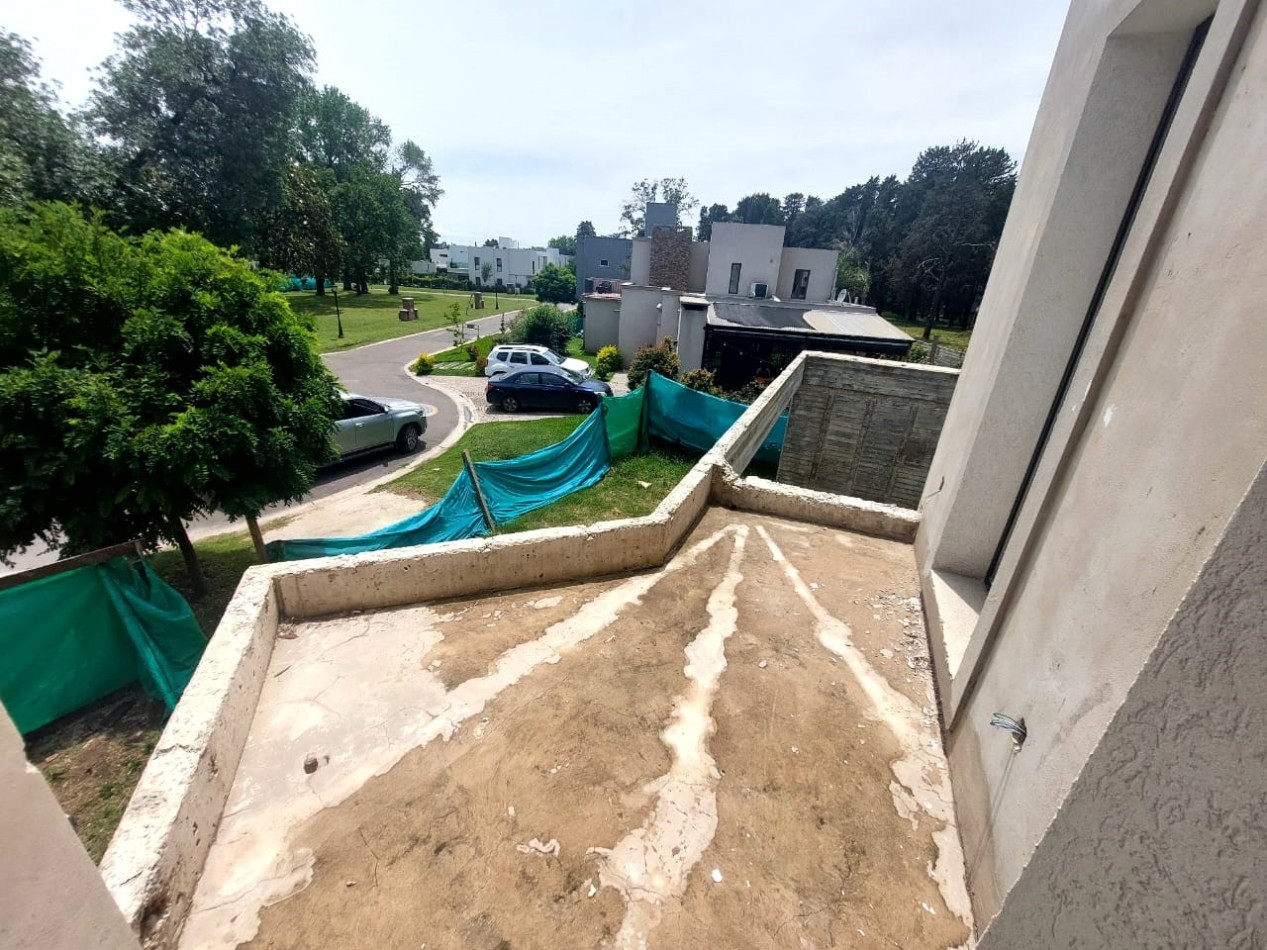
{"x":564,"y":244}
{"x":671,"y":190}
{"x":486,"y":271}
{"x":42,"y":154}
{"x":585,"y":229}
{"x":758,"y":209}
{"x":708,"y":217}
{"x":196,"y":110}
{"x":145,"y":381}
{"x":543,"y":325}
{"x":299,"y":236}
{"x":554,"y":284}
{"x":455,"y":317}
{"x":490,"y":242}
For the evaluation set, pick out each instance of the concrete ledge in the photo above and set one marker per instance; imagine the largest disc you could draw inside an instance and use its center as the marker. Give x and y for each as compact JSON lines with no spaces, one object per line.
{"x":952,"y":606}
{"x":156,"y":856}
{"x":765,"y":497}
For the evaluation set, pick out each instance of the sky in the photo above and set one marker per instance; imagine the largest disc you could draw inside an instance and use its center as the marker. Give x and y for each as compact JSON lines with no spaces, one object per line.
{"x":538,"y":115}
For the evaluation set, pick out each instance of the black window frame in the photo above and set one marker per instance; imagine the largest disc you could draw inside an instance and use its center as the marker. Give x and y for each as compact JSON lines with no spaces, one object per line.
{"x":736,"y":275}
{"x":797,"y":283}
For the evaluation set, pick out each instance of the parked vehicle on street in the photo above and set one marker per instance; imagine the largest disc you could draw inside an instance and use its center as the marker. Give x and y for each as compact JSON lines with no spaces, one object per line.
{"x":549,"y":389}
{"x":509,"y":357}
{"x":375,"y":422}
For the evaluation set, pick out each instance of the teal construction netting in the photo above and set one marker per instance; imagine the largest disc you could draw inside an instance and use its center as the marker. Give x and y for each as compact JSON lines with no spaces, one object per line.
{"x":662,"y":409}
{"x":72,"y":638}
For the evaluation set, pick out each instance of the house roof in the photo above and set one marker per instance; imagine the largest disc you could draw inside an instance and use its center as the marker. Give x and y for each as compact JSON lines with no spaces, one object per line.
{"x":852,"y":320}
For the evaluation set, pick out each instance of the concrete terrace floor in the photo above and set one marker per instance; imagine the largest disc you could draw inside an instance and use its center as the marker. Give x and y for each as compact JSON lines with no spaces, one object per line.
{"x":738,"y":750}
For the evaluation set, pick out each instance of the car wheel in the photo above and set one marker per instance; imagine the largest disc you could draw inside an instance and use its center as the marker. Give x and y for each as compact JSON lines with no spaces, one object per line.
{"x":409,"y":439}
{"x":585,"y":404}
{"x":510,"y":404}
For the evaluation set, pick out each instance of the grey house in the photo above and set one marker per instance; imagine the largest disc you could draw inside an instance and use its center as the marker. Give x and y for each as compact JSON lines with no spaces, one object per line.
{"x":601,"y":258}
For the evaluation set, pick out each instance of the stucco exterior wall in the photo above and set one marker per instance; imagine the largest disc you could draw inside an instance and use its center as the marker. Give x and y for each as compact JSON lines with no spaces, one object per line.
{"x":1162,"y":433}
{"x":820,"y":263}
{"x":865,"y":428}
{"x":698,"y":275}
{"x":692,"y":322}
{"x":602,"y":323}
{"x":1160,"y":842}
{"x":51,"y":897}
{"x":639,"y":318}
{"x":640,"y":261}
{"x":757,"y":247}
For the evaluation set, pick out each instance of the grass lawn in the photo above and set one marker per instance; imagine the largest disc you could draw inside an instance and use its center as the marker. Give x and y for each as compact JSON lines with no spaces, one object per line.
{"x":373,"y":316}
{"x":956,"y":338}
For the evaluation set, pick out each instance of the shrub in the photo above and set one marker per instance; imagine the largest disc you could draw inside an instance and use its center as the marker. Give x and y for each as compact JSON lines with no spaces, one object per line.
{"x":424,"y":365}
{"x":918,"y":353}
{"x":662,"y":359}
{"x":554,"y":284}
{"x":701,"y":380}
{"x":543,"y":325}
{"x":473,"y":351}
{"x":609,"y":362}
{"x":481,"y":364}
{"x":747,"y":393}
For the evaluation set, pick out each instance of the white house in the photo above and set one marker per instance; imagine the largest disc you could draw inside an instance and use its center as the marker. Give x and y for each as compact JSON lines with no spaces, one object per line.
{"x":509,"y":264}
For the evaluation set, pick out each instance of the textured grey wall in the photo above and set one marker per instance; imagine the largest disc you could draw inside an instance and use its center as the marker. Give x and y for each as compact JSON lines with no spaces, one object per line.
{"x":866,"y":428}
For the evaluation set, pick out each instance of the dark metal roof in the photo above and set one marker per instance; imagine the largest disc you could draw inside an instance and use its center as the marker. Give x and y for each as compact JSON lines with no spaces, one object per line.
{"x":851,"y":320}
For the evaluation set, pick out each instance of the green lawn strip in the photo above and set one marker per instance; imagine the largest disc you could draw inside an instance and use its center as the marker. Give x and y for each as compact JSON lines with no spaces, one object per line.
{"x":372,"y":317}
{"x":621,"y":493}
{"x":956,"y":338}
{"x":576,"y":347}
{"x":487,"y":442}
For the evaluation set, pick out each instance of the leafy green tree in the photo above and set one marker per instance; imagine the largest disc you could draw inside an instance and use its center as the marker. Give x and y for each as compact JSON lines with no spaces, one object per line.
{"x":145,"y":381}
{"x":42,"y":154}
{"x":661,"y":358}
{"x":554,"y":284}
{"x":758,"y":209}
{"x":486,"y":271}
{"x":543,"y":325}
{"x":299,"y":236}
{"x":633,"y":211}
{"x":564,"y":243}
{"x":585,"y":229}
{"x":195,"y":110}
{"x":707,"y":218}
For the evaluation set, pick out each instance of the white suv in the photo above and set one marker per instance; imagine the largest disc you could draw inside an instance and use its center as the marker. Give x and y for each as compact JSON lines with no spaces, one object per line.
{"x":512,"y":356}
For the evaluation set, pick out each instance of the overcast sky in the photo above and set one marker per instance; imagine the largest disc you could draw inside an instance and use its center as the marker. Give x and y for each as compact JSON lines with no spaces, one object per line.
{"x":541,"y":114}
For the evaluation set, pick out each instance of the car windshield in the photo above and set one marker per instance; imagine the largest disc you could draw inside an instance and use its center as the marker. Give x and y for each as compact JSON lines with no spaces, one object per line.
{"x":553,"y":357}
{"x":571,"y":377}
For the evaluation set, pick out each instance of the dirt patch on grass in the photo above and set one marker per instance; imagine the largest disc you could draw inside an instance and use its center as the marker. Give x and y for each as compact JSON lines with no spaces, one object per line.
{"x":93,"y":759}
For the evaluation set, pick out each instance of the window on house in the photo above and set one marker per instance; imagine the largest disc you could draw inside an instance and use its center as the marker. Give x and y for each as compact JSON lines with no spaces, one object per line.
{"x":603,"y":262}
{"x":800,"y":284}
{"x":499,"y":265}
{"x":734,"y":278}
{"x":477,"y":262}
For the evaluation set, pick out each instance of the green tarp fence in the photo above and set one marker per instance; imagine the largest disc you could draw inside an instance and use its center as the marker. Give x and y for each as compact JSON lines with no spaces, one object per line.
{"x":69,"y":639}
{"x":662,"y":409}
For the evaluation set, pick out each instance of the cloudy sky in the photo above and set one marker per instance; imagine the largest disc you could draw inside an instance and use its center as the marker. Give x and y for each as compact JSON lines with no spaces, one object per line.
{"x":541,"y":113}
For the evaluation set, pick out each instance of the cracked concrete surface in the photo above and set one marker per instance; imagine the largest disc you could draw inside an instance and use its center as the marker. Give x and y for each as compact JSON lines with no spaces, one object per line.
{"x":737,"y":750}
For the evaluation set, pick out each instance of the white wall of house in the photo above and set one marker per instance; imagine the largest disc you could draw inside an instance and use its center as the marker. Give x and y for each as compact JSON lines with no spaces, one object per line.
{"x":757,"y":248}
{"x":602,"y":322}
{"x":692,"y":322}
{"x":698,"y":275}
{"x":640,"y":261}
{"x":1120,"y":623}
{"x":518,"y":265}
{"x":639,"y":318}
{"x":820,"y":263}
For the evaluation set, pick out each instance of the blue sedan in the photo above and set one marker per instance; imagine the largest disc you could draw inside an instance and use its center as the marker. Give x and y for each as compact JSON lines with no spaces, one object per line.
{"x":545,"y":389}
